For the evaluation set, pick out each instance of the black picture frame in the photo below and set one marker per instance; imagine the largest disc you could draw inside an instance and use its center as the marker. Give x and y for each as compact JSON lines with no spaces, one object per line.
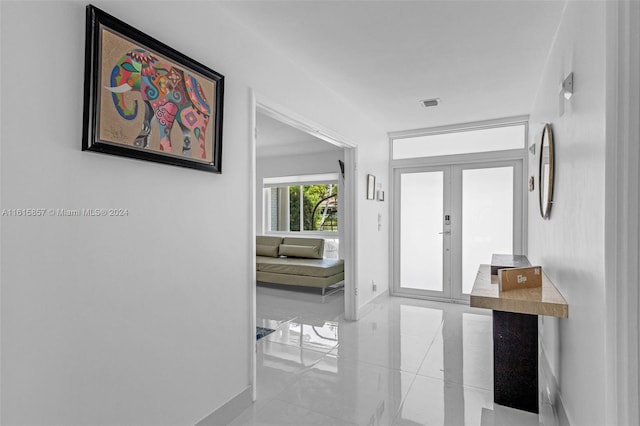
{"x":168,"y":107}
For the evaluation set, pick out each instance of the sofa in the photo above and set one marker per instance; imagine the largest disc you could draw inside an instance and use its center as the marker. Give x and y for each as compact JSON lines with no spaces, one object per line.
{"x":297,"y":262}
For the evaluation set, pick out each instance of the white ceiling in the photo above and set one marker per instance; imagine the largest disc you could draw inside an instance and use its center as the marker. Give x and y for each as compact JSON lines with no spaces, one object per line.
{"x":276,"y":139}
{"x":483,"y":59}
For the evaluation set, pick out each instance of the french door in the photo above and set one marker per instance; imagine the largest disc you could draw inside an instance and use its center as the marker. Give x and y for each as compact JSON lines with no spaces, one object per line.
{"x":448,"y":219}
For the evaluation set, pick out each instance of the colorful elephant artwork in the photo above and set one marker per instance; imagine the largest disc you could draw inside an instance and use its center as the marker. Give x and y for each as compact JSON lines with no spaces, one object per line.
{"x":170,"y":96}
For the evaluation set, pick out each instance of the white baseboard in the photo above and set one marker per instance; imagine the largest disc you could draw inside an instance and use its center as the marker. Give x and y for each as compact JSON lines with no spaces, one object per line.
{"x":368,"y":306}
{"x":552,"y":412}
{"x":229,"y":411}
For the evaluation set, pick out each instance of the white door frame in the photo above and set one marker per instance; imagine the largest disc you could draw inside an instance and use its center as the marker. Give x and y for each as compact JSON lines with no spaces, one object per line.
{"x":395,"y":288}
{"x":519,"y":224}
{"x":459,"y":159}
{"x":622,"y":205}
{"x":348,"y":228}
{"x":452,"y":169}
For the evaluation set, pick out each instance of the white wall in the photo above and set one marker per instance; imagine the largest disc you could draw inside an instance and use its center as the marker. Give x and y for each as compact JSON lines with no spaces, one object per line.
{"x":373,"y":242}
{"x":139,"y":319}
{"x":291,"y":165}
{"x":570,"y":246}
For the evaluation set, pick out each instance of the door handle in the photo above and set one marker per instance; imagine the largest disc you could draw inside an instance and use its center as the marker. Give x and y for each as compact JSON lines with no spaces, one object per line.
{"x":444,"y":232}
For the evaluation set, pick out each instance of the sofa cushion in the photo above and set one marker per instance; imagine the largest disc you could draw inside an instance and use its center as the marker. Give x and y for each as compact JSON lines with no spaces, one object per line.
{"x":267,"y":245}
{"x":299,"y":280}
{"x":266,"y":250}
{"x":296,"y":266}
{"x":295,"y":246}
{"x":290,"y":250}
{"x":268,"y":240}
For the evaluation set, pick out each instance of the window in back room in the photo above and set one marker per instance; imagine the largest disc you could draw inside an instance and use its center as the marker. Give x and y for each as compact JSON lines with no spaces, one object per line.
{"x":303,"y":205}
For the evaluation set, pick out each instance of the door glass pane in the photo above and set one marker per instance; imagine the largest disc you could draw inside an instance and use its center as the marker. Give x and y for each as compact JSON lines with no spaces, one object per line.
{"x":487,"y":218}
{"x":421,"y":213}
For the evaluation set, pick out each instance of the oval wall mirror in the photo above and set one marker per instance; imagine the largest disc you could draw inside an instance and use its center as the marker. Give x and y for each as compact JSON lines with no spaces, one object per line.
{"x":546,"y":171}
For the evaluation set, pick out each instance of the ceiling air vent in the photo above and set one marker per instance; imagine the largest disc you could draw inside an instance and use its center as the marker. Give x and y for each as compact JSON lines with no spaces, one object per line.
{"x":430,"y":102}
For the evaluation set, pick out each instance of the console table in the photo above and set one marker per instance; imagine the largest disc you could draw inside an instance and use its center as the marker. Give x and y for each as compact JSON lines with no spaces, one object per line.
{"x":515,"y":335}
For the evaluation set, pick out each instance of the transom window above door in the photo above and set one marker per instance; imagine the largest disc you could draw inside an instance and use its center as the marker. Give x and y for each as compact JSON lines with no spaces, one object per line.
{"x":464,"y":141}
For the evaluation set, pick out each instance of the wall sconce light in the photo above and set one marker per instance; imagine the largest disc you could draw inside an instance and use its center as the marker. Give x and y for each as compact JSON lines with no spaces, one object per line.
{"x":567,"y":86}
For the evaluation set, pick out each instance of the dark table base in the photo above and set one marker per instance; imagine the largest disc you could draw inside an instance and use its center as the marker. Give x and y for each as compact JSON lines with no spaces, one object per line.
{"x":515,"y":360}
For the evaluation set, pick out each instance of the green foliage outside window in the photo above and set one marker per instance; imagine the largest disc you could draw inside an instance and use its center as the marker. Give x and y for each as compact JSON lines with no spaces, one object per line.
{"x":294,"y":208}
{"x":319,"y":208}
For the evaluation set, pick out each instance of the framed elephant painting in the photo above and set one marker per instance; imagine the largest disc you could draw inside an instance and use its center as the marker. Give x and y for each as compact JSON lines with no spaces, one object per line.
{"x":145,"y":100}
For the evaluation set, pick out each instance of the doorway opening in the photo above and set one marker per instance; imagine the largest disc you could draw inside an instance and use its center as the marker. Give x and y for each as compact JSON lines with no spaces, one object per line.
{"x":298,"y":165}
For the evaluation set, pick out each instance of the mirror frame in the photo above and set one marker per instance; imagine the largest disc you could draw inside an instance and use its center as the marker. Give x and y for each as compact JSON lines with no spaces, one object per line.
{"x":546,"y":212}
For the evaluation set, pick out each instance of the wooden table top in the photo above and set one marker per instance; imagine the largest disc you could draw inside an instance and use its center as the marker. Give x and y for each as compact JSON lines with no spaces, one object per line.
{"x":545,"y":300}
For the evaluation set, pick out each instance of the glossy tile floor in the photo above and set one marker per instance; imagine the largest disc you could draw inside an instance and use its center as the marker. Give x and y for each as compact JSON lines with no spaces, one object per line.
{"x":406,"y":362}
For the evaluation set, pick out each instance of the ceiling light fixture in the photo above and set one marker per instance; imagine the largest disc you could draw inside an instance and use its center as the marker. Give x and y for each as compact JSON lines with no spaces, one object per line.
{"x":430,"y":102}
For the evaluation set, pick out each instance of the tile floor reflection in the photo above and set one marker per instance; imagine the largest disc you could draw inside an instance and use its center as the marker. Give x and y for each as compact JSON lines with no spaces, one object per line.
{"x":406,"y":362}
